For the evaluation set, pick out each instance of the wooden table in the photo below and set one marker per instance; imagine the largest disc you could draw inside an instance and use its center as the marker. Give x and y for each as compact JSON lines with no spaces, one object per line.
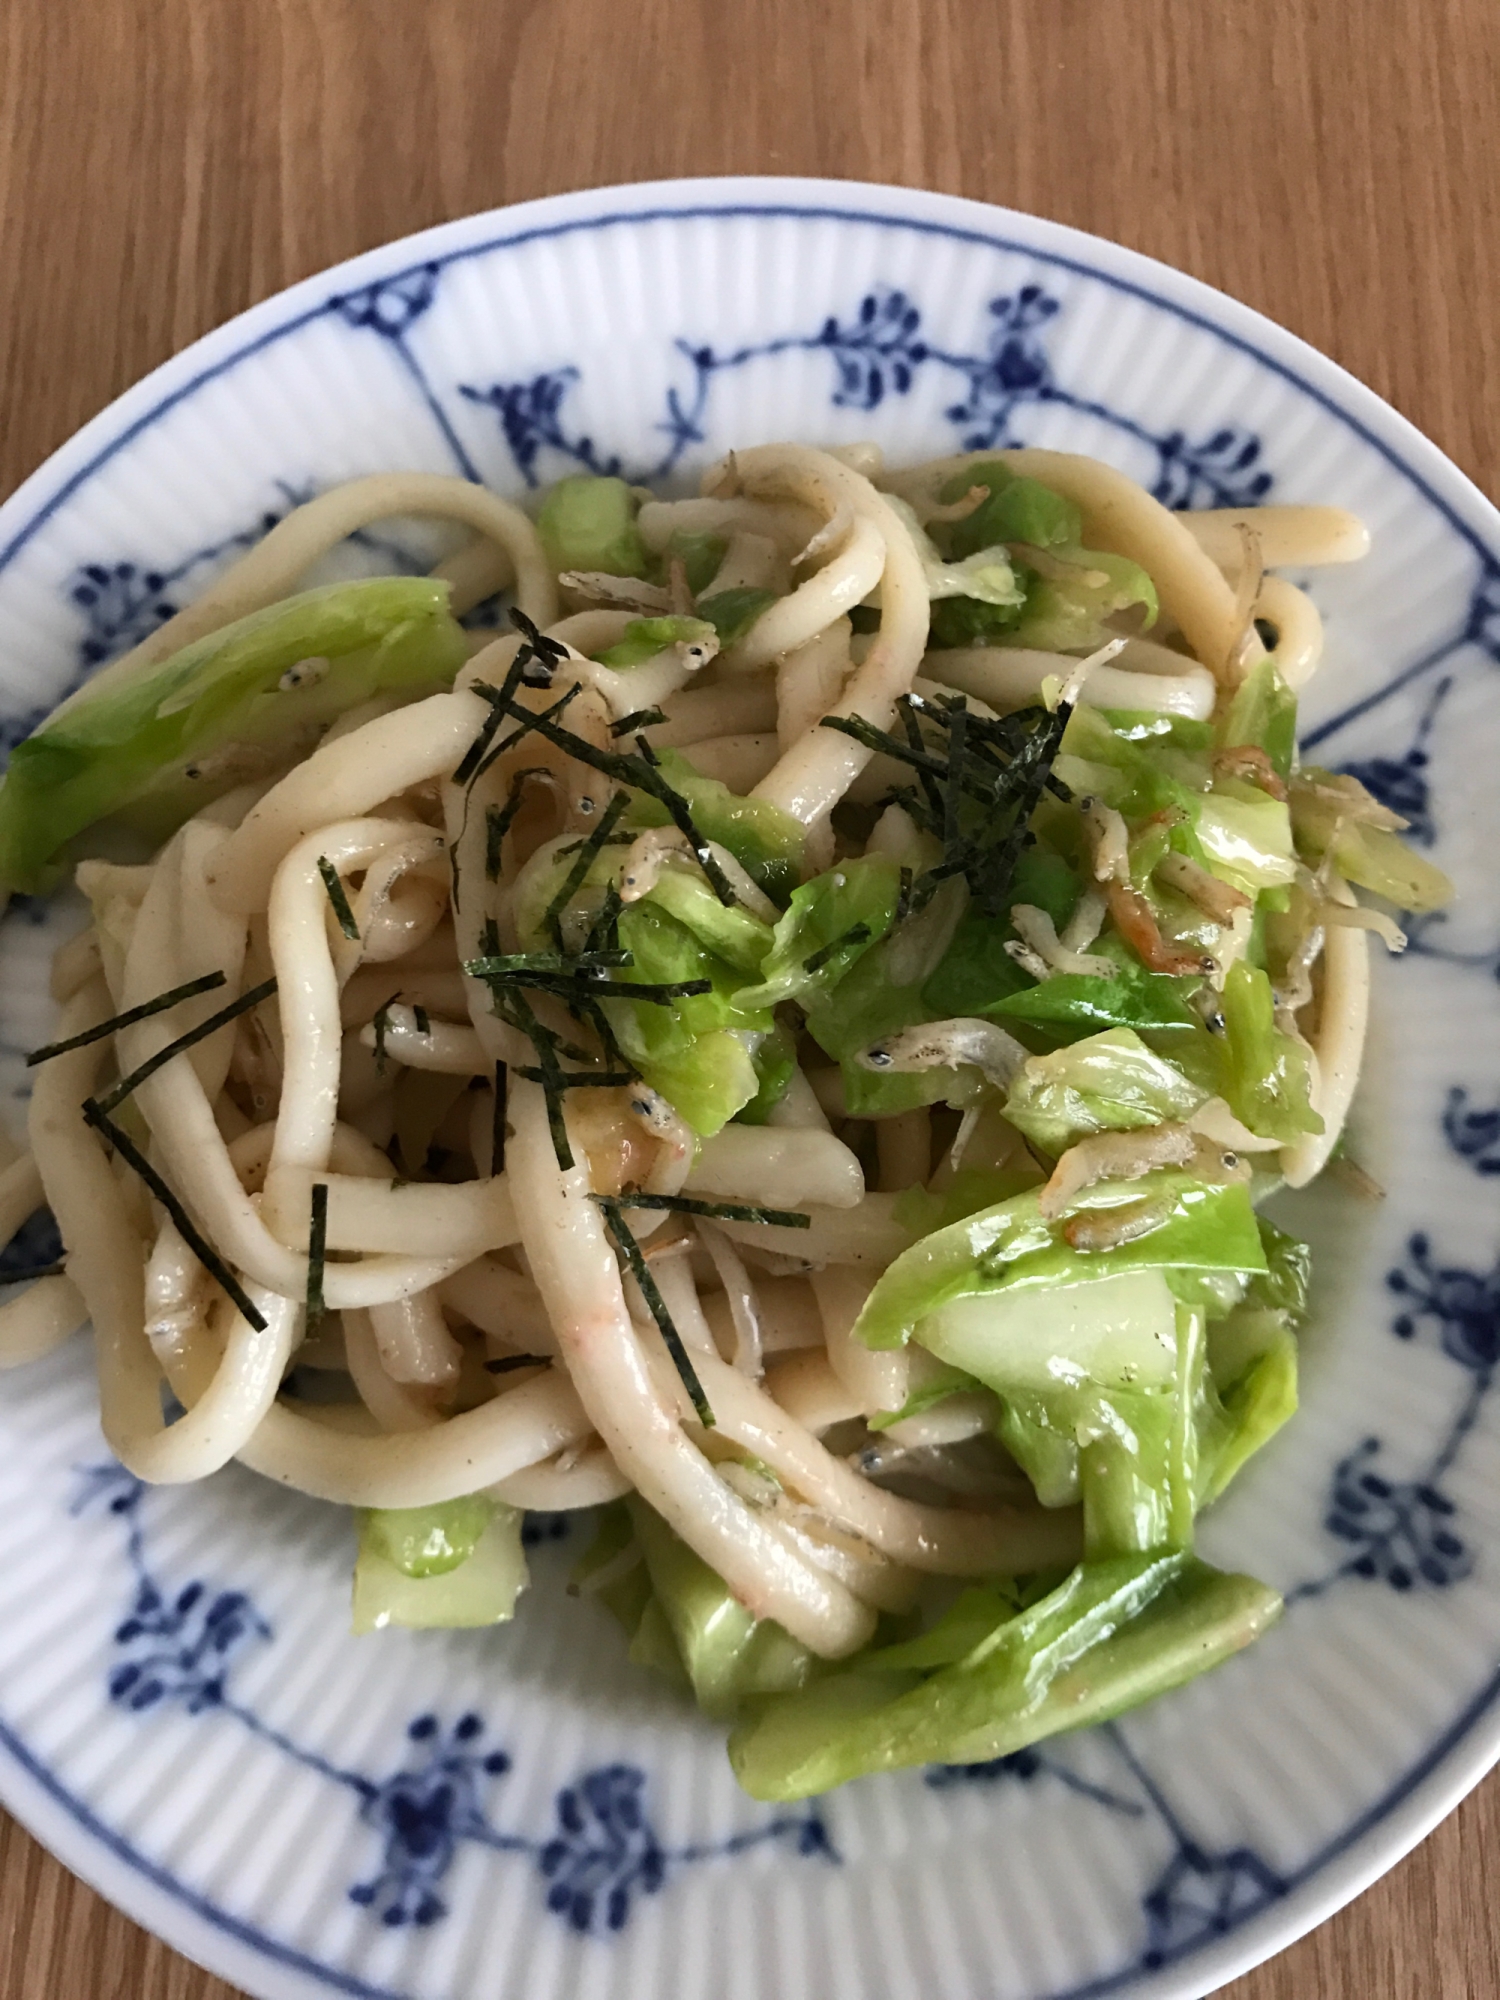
{"x":165,"y":163}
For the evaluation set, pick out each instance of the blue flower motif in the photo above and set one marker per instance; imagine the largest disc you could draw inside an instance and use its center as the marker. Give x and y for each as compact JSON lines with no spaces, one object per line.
{"x":176,"y":1646}
{"x":422,"y":1814}
{"x":123,"y":604}
{"x":1015,"y":367}
{"x":1223,"y":471}
{"x":180,"y":1648}
{"x":531,"y":421}
{"x":391,"y":306}
{"x":1201,"y":1896}
{"x":605,"y":1850}
{"x":880,"y":351}
{"x":1464,"y":1304}
{"x":1473,"y":1135}
{"x":1402,"y":1529}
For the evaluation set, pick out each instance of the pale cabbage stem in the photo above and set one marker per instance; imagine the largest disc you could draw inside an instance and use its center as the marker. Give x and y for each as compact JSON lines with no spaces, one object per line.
{"x":307,"y":984}
{"x":814,"y":774}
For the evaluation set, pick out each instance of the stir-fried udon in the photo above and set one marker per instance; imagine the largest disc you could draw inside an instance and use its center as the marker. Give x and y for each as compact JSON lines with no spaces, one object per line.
{"x":780,"y":1037}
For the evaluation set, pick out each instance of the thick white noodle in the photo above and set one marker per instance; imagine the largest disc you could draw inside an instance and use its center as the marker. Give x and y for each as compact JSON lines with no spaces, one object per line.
{"x":745,"y":706}
{"x":740,"y":762}
{"x":1299,"y":629}
{"x":1009,"y":677}
{"x":799,"y":1109}
{"x":105,"y":1254}
{"x":198,"y":1163}
{"x":869,"y":1235}
{"x":420,"y":1468}
{"x":298,"y":924}
{"x":1301,"y":537}
{"x":443,"y":1046}
{"x":818,"y":769}
{"x":947,"y":1541}
{"x":791,"y":622}
{"x":73,"y":965}
{"x":393,"y":1405}
{"x":558,"y":1488}
{"x":739,"y":1294}
{"x":457,"y":1221}
{"x":576,"y":1273}
{"x":802,"y":1383}
{"x":809,"y":680}
{"x":42,"y":1318}
{"x":506,"y":1307}
{"x":20,"y":1195}
{"x":414,"y":1342}
{"x":399,"y":905}
{"x":341,"y":781}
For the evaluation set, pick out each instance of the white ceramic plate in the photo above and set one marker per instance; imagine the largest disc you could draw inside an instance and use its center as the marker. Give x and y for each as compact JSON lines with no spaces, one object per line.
{"x":183,"y":1715}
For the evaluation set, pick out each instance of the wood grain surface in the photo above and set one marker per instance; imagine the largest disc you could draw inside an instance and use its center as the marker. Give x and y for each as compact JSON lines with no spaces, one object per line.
{"x":165,"y":163}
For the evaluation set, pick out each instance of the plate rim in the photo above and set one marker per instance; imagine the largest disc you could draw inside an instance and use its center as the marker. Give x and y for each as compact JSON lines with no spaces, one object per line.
{"x":1470,"y":1745}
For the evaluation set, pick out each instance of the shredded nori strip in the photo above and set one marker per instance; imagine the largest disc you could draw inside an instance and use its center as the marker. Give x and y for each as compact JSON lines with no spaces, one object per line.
{"x":588,"y":850}
{"x":317,"y":1248}
{"x":499,"y":699}
{"x":381,"y":1024}
{"x":502,"y":966}
{"x":586,"y":986}
{"x":591,"y":1012}
{"x":714,"y":1211}
{"x":498,"y":819}
{"x":126,"y":1020}
{"x":338,"y":899}
{"x":497,"y":1123}
{"x":1004,"y":762}
{"x":638,"y":718}
{"x":468,"y":764}
{"x":954,"y":790}
{"x":604,"y":932}
{"x":640,"y":772}
{"x":550,"y":652}
{"x":856,"y":934}
{"x":589,"y":1079}
{"x":187,"y":1229}
{"x":504,"y":1363}
{"x":903,"y":898}
{"x":201,"y":1033}
{"x":528,"y":719}
{"x":551,"y":1078}
{"x":424,"y":1025}
{"x":630,"y":1250}
{"x":25,"y":1276}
